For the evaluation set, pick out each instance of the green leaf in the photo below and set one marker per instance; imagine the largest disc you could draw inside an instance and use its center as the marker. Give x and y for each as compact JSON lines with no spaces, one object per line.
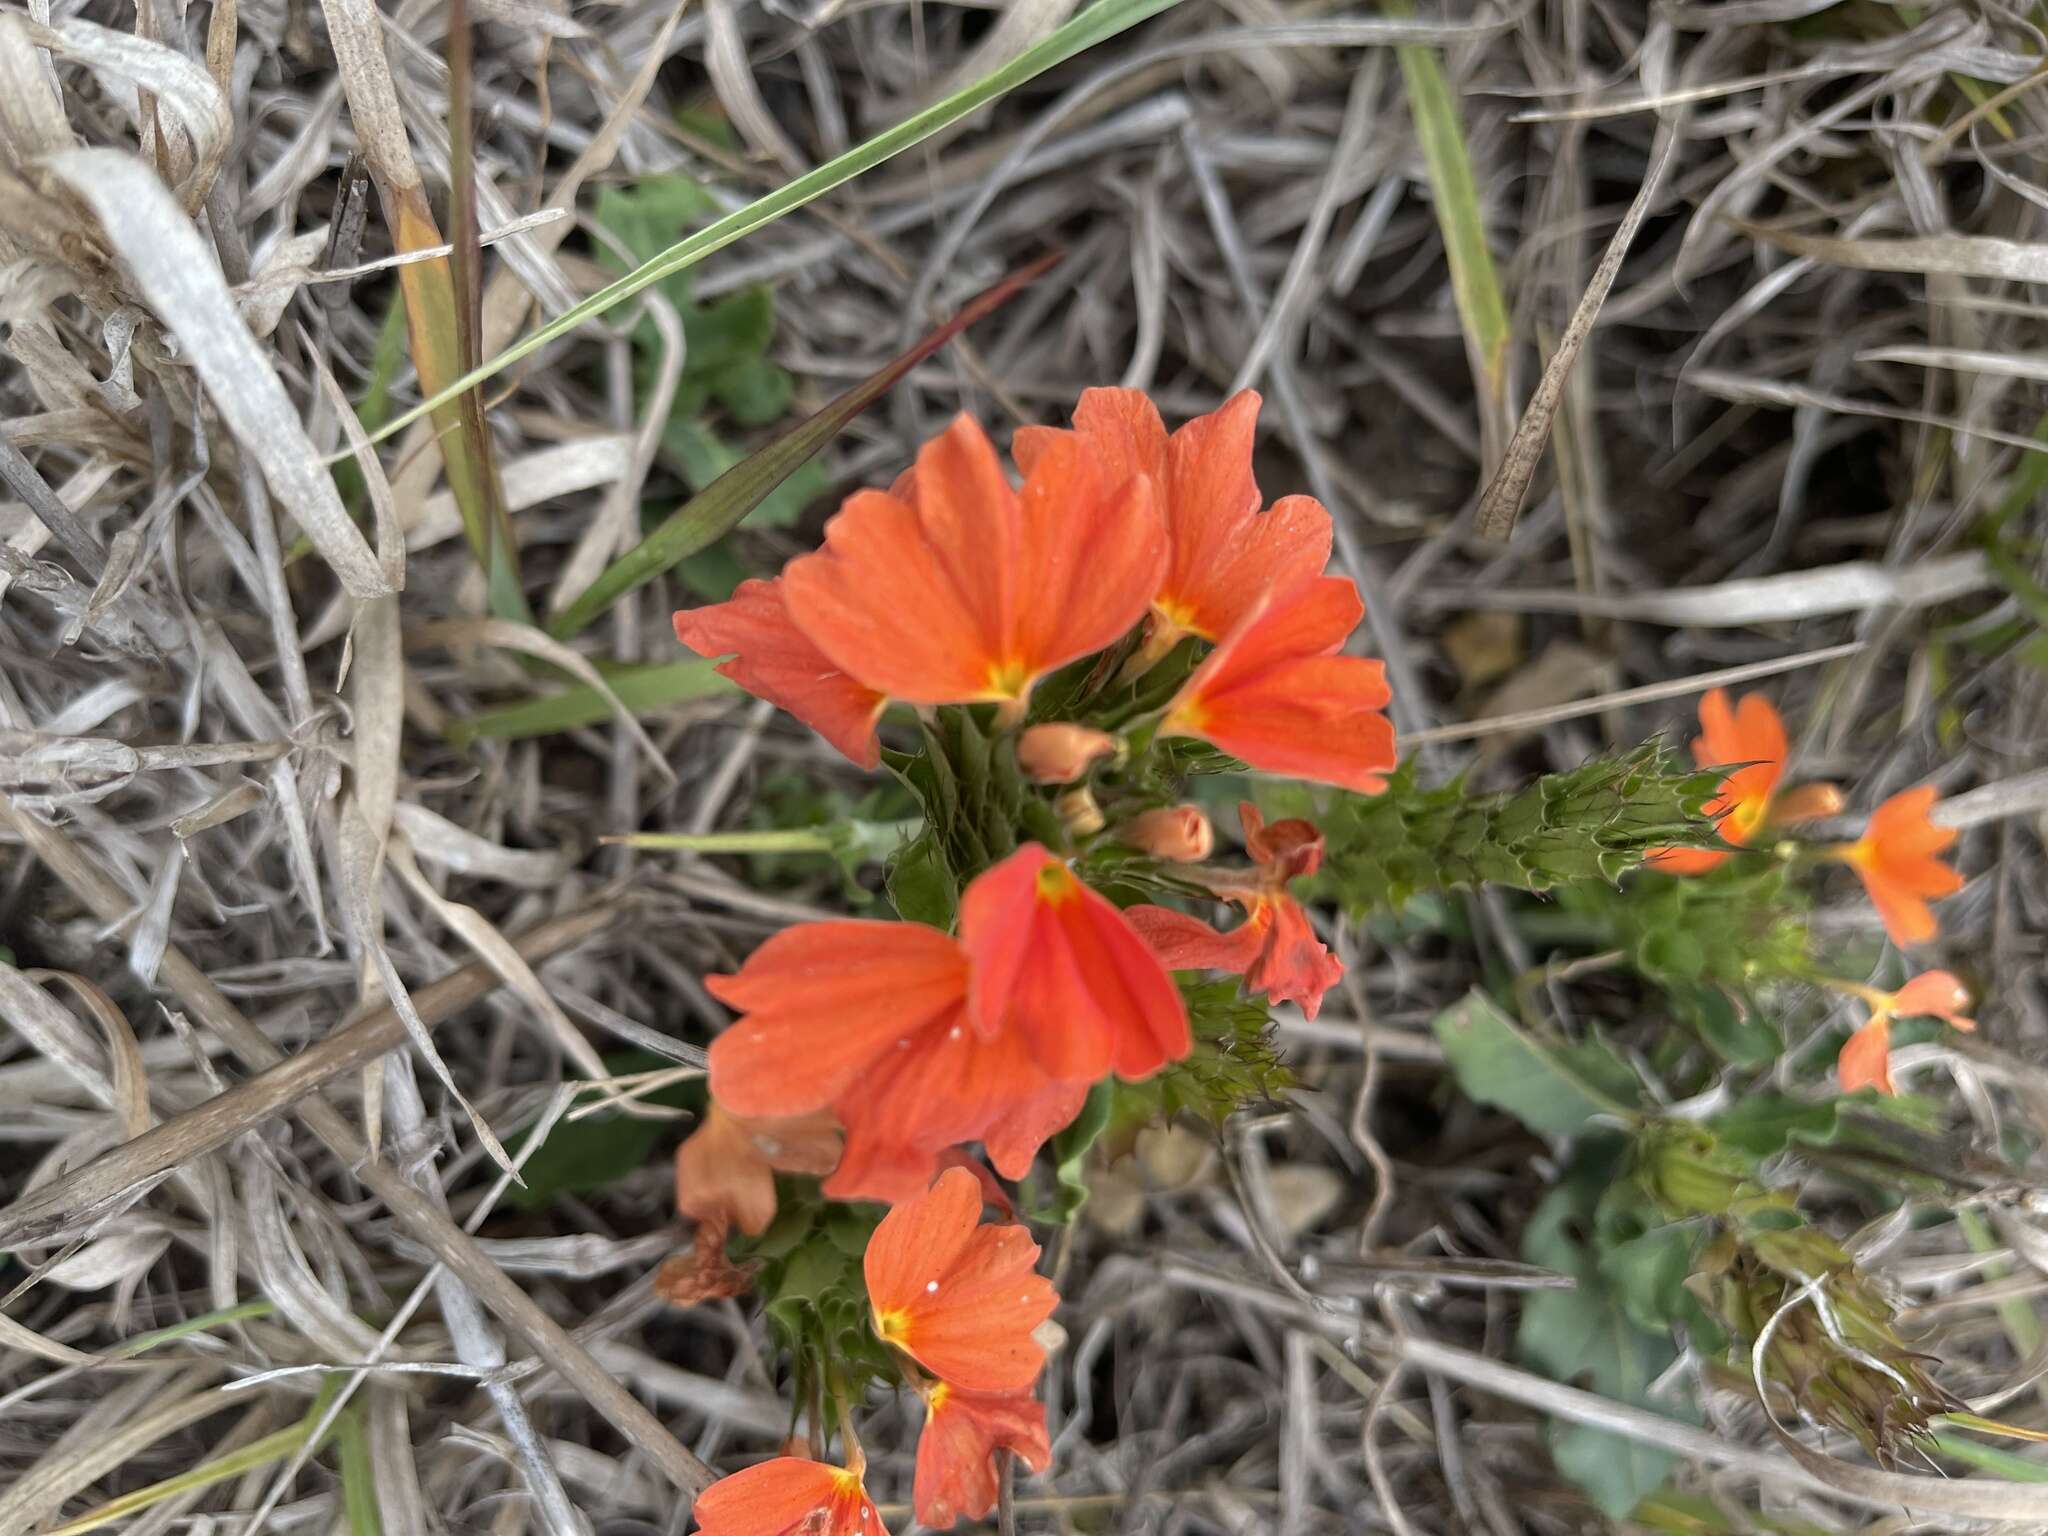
{"x":1554,"y":1090}
{"x":1584,"y":1335}
{"x":593,"y":1153}
{"x":358,"y":1476}
{"x":922,"y":887}
{"x":641,"y":687}
{"x":1733,"y":1028}
{"x":1102,"y":20}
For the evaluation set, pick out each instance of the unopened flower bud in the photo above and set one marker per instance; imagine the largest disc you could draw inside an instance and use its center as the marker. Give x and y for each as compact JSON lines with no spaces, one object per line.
{"x":1079,"y":813}
{"x":1061,"y":752}
{"x":1178,"y":832}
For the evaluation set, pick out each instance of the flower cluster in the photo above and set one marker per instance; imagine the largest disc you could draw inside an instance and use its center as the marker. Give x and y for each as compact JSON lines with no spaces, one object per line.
{"x":954,"y":587}
{"x":1898,"y":859}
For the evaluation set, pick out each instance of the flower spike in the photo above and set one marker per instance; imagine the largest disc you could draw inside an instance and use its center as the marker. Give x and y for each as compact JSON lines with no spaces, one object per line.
{"x":960,"y":1297}
{"x":1277,"y":693}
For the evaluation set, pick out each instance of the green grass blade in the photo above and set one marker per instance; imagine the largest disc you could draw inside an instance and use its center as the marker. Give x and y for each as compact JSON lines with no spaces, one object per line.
{"x":1475,"y":285}
{"x":725,"y":502}
{"x":641,"y":687}
{"x":358,"y":1477}
{"x":1102,"y":20}
{"x":142,"y":1343}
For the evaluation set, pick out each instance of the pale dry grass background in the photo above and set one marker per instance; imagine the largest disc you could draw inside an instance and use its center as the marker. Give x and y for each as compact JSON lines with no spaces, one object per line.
{"x":229,"y":811}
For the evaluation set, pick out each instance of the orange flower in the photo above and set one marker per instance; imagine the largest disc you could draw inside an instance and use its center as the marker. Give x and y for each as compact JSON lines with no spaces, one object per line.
{"x":1275,"y":948}
{"x":774,"y":660}
{"x":1180,"y":833}
{"x":1225,"y":552}
{"x":788,"y":1497}
{"x":1060,"y":752}
{"x":1865,"y":1061}
{"x":956,"y":1451}
{"x":1896,"y":858}
{"x":1753,"y":735}
{"x":869,"y":1020}
{"x":725,"y":1169}
{"x":958,"y":1296}
{"x":1276,"y":693}
{"x":961,"y":589}
{"x":1058,"y":964}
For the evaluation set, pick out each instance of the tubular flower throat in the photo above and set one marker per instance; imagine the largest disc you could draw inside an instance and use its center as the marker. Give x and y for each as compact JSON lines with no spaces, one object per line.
{"x":1224,"y":552}
{"x":954,"y":588}
{"x":1752,"y":734}
{"x":1897,"y":859}
{"x":960,"y":1297}
{"x":788,"y":1497}
{"x":1277,"y":692}
{"x":1275,"y":948}
{"x":1865,"y":1061}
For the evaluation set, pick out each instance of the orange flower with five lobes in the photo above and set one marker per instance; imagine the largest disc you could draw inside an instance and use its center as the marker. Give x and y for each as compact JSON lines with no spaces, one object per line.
{"x":959,"y":1296}
{"x":789,"y":1496}
{"x":774,"y":660}
{"x":1865,"y":1061}
{"x":956,"y":1450}
{"x":1223,"y":551}
{"x":1897,"y":859}
{"x":1275,"y":948}
{"x":869,"y":1020}
{"x":1058,"y":965}
{"x":955,"y":588}
{"x":1752,"y":734}
{"x":1277,"y":693}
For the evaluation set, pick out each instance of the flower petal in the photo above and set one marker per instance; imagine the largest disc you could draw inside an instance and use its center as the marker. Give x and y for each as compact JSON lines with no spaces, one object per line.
{"x":1934,"y":995}
{"x":956,"y":1466}
{"x":774,"y":660}
{"x":821,"y":1002}
{"x":1865,"y":1061}
{"x":961,"y":1299}
{"x":785,"y":1497}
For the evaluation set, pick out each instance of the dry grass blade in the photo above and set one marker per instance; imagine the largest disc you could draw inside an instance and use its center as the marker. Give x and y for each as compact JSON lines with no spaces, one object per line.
{"x":1958,"y":255}
{"x":175,"y":272}
{"x":1502,"y":500}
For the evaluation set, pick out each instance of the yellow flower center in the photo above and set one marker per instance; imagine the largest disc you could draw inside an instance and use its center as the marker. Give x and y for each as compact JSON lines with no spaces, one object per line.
{"x":1009,"y":679}
{"x":1057,"y":885}
{"x":1177,"y":614}
{"x":892,"y":1326}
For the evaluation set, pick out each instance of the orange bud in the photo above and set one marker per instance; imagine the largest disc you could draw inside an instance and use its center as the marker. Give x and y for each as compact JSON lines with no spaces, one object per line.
{"x":1178,"y":832}
{"x":1060,"y":752}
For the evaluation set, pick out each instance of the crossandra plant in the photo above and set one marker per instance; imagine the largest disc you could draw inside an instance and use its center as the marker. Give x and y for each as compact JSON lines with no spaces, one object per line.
{"x":1059,"y":670}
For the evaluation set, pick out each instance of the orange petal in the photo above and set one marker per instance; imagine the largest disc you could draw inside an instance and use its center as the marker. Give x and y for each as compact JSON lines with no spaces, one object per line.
{"x":1059,"y":964}
{"x":1808,"y":802}
{"x":1012,"y":1140}
{"x":774,"y":660}
{"x":961,"y":1299}
{"x":785,"y":1497}
{"x":1185,"y":943}
{"x":1294,"y":966}
{"x":884,"y":604}
{"x":1907,"y":919}
{"x":1865,"y":1061}
{"x":976,"y":590}
{"x":821,"y":1002}
{"x":1934,"y":995}
{"x":1290,"y":849}
{"x":1274,"y":692}
{"x":956,"y":1466}
{"x":1901,"y":828}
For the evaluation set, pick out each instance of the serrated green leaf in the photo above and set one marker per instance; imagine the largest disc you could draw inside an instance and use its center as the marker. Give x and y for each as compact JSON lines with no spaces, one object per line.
{"x":1556,"y":1090}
